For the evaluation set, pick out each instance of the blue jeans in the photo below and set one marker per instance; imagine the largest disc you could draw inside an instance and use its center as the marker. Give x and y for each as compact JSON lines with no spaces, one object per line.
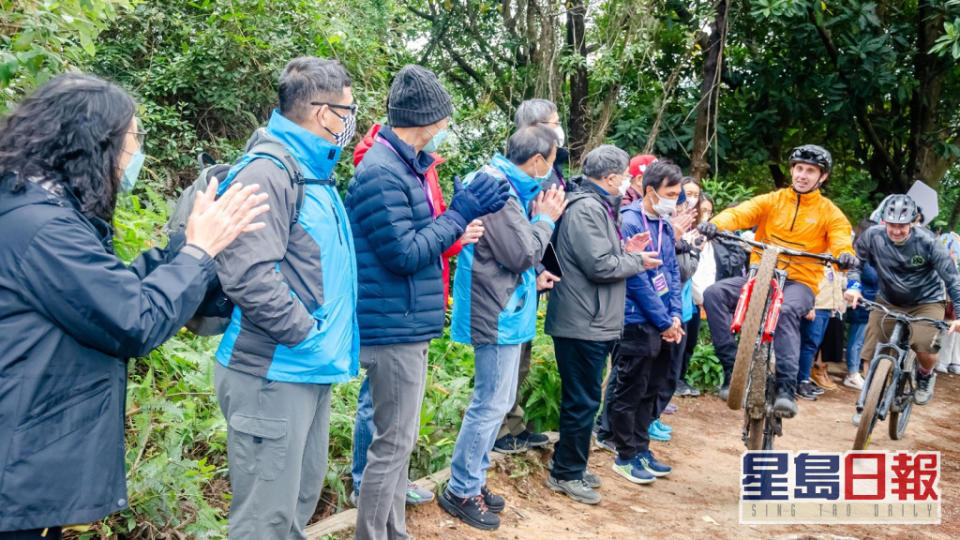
{"x":854,"y":345}
{"x":362,"y":432}
{"x":811,"y":336}
{"x":494,"y":389}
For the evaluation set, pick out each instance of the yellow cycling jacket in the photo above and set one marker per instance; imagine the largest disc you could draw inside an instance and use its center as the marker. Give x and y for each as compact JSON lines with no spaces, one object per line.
{"x":809,"y":222}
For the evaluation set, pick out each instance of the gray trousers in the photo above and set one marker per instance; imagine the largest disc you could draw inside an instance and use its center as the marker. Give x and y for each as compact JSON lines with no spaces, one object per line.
{"x":397,"y":375}
{"x":277,"y":439}
{"x":513,"y":423}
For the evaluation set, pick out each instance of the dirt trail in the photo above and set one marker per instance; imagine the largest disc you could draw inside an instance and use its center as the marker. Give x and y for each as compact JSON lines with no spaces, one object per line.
{"x":699,"y":499}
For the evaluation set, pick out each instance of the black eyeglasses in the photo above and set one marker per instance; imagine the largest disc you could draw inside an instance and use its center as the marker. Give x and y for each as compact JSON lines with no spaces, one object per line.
{"x":352,"y":107}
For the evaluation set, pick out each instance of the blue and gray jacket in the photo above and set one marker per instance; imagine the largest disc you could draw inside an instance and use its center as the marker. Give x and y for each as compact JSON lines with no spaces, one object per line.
{"x":294,"y":286}
{"x":495,"y":287}
{"x":644,"y":305}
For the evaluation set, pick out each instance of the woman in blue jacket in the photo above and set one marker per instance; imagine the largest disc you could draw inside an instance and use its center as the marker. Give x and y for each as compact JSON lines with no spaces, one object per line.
{"x":71,"y":312}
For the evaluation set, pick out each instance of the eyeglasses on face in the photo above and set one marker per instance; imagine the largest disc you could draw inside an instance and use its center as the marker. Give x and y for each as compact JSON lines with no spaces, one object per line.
{"x":352,"y":107}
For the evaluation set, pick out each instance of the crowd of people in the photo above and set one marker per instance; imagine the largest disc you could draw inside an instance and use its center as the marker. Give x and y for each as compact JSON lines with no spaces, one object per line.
{"x":318,"y":286}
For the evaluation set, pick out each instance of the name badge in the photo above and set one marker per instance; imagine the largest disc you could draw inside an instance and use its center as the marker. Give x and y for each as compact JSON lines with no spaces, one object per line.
{"x":660,"y":284}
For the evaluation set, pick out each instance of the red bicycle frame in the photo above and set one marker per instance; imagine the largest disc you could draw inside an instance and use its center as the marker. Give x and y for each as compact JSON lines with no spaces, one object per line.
{"x":773,"y":310}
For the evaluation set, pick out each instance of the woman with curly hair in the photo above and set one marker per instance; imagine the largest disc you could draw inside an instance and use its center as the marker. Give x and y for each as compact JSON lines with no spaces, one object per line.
{"x":71,"y":312}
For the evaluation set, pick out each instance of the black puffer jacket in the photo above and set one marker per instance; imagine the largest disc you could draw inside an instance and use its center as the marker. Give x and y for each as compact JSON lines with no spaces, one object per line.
{"x":71,"y":313}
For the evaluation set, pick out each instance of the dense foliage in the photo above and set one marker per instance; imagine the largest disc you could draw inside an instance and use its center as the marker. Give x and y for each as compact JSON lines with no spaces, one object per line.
{"x":878,"y":83}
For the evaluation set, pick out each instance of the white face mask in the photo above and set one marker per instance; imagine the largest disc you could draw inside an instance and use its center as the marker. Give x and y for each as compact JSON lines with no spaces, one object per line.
{"x":692,"y":201}
{"x":665,"y":207}
{"x":624,"y":184}
{"x":560,"y":135}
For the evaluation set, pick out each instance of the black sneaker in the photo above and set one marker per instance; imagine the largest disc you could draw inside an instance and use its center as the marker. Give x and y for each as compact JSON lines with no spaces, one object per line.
{"x":494,"y":502}
{"x":472,"y":510}
{"x":508,"y":444}
{"x":805,"y":390}
{"x":684,"y":389}
{"x":785,"y":405}
{"x":533,"y":439}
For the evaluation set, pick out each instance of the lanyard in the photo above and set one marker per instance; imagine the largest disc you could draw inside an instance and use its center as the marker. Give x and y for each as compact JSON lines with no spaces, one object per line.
{"x":613,"y":217}
{"x":643,"y":214}
{"x":424,"y":185}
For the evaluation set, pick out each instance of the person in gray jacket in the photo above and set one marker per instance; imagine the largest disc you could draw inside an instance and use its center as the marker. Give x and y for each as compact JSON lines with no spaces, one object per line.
{"x":586,"y":308}
{"x":495,"y":310}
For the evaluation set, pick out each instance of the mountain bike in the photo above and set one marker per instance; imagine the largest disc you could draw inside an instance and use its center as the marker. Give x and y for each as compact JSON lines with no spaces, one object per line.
{"x":755,"y":319}
{"x":891,"y":378}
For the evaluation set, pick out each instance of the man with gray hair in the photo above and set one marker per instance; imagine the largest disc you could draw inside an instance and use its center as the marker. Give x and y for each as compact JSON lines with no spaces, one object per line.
{"x":586,"y":309}
{"x":514,"y":435}
{"x":294,"y":329}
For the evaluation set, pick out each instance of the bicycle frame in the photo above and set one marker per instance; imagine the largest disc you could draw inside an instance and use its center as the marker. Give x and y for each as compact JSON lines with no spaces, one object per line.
{"x":773,"y":307}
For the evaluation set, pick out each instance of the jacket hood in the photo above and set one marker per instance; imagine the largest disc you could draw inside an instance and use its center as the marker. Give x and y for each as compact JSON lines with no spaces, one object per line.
{"x":31,"y":194}
{"x":525,"y":185}
{"x":589,"y":188}
{"x":316,"y":155}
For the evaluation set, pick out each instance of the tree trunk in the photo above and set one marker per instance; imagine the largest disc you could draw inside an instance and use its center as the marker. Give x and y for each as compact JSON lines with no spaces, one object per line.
{"x":710,"y":92}
{"x":579,"y":82}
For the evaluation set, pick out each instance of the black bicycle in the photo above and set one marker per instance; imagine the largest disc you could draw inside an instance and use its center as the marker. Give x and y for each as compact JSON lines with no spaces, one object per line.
{"x":891,"y":378}
{"x":755,"y":319}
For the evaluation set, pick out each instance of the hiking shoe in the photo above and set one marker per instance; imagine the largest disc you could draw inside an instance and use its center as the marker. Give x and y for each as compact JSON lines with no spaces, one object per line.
{"x":494,"y":502}
{"x":533,"y":439}
{"x":592,"y":480}
{"x":856,"y":419}
{"x":684,"y":389}
{"x":354,"y":498}
{"x":817,"y":391}
{"x":724,"y":392}
{"x":785,"y":405}
{"x":854,"y":381}
{"x":650,"y":463}
{"x":416,"y":495}
{"x":606,"y":444}
{"x":670,"y":408}
{"x":656,"y":434}
{"x":472,"y":510}
{"x":805,"y":390}
{"x":577,"y":490}
{"x":662,"y":427}
{"x":632,"y":471}
{"x":509,"y":444}
{"x":924,"y":392}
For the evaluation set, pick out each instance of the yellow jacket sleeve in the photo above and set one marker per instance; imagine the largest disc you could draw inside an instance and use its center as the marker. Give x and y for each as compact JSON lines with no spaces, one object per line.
{"x":839,"y":234}
{"x":745,"y":215}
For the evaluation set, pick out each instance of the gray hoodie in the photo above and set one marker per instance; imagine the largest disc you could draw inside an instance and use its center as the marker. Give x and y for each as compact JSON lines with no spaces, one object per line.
{"x":588,"y":303}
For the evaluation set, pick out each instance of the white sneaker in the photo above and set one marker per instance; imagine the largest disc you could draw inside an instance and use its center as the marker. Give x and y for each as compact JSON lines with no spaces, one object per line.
{"x":954,"y":368}
{"x":854,"y":381}
{"x":856,"y":419}
{"x":942,"y":367}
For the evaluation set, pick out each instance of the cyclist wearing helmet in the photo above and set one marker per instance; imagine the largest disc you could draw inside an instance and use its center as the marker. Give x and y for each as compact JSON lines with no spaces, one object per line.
{"x":912,"y":266}
{"x":800,"y":218}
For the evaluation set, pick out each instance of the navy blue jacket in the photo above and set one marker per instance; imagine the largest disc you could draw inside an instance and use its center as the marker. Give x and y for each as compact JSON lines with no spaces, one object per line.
{"x":870,"y":282}
{"x":71,"y":313}
{"x":399,"y":245}
{"x":644,"y":305}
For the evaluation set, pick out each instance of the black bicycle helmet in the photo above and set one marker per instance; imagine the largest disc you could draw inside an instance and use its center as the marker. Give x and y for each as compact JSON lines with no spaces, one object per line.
{"x":812,"y":154}
{"x":899,"y":209}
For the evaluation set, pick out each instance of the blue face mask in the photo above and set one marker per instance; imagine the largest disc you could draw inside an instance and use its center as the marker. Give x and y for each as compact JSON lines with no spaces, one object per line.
{"x":435,"y":141}
{"x":546,"y":175}
{"x":130,"y":173}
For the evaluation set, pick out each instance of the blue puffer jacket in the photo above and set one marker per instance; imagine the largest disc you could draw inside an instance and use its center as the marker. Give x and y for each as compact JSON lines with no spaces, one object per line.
{"x":399,"y":244}
{"x":644,"y":305}
{"x":869,"y":281}
{"x":294,"y":286}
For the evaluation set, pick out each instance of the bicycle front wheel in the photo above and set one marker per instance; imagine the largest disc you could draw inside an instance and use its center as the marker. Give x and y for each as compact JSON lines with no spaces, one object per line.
{"x":750,"y":331}
{"x":878,"y":385}
{"x":899,"y":417}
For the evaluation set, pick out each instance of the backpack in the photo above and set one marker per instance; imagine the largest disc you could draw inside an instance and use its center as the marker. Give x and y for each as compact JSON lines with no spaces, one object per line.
{"x":213,"y":315}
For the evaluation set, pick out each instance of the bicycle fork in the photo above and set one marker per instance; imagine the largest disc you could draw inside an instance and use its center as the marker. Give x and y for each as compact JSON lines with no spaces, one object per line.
{"x":890,"y":346}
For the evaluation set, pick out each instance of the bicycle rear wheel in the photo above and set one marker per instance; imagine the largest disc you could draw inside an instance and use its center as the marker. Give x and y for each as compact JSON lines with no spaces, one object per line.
{"x":899,"y":418}
{"x":752,"y":326}
{"x":878,"y":385}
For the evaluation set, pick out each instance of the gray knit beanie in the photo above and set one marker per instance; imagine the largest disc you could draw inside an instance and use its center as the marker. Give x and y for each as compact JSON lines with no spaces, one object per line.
{"x":417,"y":98}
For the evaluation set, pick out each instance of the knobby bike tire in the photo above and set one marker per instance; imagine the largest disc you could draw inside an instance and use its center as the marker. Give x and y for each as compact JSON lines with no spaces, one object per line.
{"x":755,"y":433}
{"x":756,"y":410}
{"x":878,"y":385}
{"x":750,"y":331}
{"x":897,"y":424}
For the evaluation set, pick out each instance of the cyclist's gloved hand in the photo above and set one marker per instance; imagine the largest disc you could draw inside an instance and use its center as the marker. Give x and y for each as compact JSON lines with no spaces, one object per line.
{"x":847,"y":261}
{"x":708,"y":230}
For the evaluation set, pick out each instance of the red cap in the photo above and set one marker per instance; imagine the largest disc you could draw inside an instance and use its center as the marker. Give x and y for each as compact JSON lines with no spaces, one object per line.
{"x":639,"y":163}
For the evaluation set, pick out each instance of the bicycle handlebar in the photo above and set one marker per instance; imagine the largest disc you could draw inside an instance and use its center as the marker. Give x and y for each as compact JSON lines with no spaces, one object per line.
{"x":783,"y":250}
{"x":900,"y":316}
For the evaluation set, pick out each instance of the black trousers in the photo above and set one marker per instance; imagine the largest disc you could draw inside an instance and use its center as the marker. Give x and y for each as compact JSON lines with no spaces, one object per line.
{"x":581,"y":364}
{"x":720,"y":301}
{"x":669,"y":384}
{"x":642,"y":368}
{"x":53,"y":533}
{"x":692,"y":328}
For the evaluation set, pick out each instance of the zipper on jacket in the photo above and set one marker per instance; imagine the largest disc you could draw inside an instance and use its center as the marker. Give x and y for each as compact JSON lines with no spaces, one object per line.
{"x":796,"y":212}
